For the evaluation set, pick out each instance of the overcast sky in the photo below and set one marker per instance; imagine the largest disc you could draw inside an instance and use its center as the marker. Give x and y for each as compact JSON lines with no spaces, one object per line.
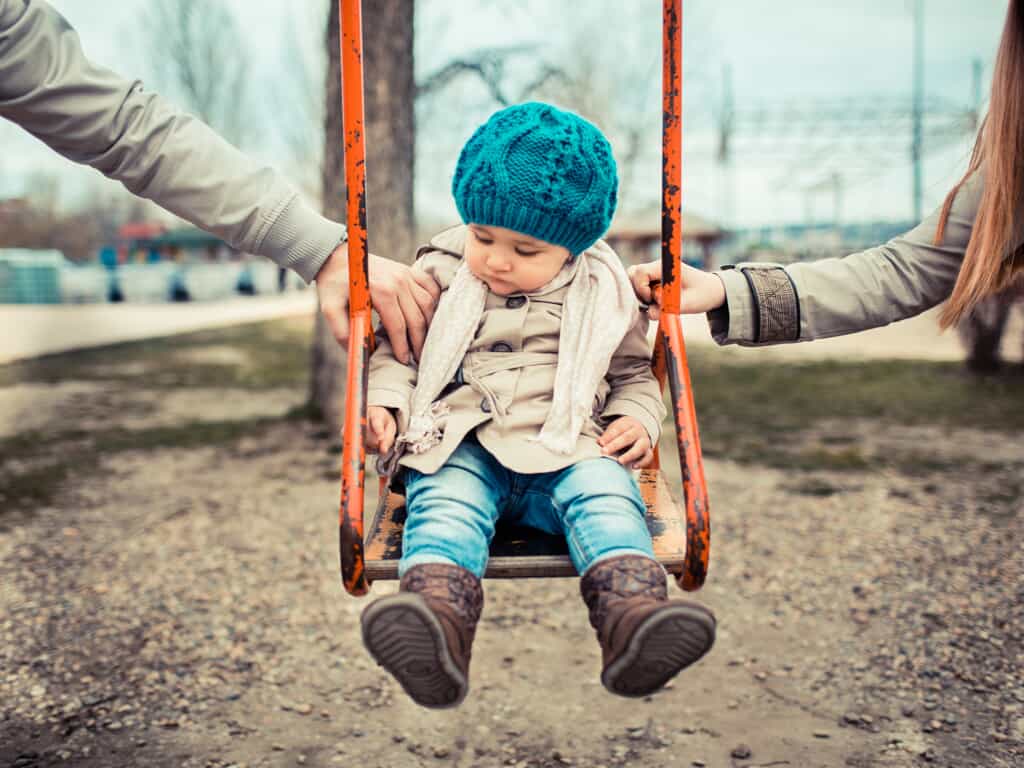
{"x":779,"y":51}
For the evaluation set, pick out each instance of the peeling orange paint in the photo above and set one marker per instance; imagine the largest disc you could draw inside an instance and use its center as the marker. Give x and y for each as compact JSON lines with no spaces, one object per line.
{"x":353,"y":458}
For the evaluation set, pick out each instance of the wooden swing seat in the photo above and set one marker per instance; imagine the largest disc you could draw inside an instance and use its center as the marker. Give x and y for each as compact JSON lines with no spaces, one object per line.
{"x":518,"y":552}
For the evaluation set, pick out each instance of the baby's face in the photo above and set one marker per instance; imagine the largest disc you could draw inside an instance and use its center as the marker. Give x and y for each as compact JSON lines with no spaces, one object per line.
{"x":511,"y":262}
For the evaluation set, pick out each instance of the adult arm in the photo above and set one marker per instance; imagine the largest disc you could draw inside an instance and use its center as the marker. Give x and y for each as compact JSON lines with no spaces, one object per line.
{"x":403,"y":297}
{"x":95,"y":117}
{"x":831,"y":297}
{"x":758,"y":303}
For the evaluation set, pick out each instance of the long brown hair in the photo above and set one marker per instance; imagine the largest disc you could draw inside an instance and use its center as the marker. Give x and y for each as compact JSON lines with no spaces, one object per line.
{"x":989,"y":267}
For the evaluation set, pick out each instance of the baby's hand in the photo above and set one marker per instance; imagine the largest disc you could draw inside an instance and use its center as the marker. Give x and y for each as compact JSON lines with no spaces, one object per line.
{"x":381,"y":434}
{"x":628,"y":435}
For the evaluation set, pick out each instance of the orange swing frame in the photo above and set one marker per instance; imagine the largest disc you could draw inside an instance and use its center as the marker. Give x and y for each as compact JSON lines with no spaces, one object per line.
{"x":681,"y":536}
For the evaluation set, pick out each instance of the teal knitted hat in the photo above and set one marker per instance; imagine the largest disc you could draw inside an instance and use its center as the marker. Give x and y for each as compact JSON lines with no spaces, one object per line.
{"x":541,"y":171}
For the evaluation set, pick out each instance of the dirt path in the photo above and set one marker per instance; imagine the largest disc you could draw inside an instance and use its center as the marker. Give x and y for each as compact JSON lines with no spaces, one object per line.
{"x":181,"y":608}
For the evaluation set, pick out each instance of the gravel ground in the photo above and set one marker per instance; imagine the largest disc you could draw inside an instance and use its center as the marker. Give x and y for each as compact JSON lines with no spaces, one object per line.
{"x":182,"y":607}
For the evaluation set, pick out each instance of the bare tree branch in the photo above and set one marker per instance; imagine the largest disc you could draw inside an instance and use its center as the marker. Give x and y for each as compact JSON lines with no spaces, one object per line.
{"x":489,"y":65}
{"x":547,"y":74}
{"x":200,"y":56}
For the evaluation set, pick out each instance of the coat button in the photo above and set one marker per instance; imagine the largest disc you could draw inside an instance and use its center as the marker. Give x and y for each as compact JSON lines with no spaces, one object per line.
{"x":485,"y":405}
{"x":515,"y":302}
{"x":501,"y":346}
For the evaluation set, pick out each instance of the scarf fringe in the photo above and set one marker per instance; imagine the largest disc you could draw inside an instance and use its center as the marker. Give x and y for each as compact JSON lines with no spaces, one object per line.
{"x":425,"y":430}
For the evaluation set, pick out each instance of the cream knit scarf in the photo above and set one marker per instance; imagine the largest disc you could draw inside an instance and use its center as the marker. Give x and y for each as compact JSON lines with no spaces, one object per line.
{"x":598,"y":311}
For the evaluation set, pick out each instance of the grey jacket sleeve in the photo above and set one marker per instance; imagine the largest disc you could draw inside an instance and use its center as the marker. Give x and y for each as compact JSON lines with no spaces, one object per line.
{"x":93,"y":116}
{"x":767,"y":303}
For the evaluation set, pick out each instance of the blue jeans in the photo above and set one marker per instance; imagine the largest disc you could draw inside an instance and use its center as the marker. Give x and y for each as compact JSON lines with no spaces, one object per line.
{"x":595,"y":504}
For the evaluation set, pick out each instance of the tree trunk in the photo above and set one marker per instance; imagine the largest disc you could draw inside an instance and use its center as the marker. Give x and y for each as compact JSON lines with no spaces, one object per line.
{"x":388,"y":103}
{"x":982,"y":330}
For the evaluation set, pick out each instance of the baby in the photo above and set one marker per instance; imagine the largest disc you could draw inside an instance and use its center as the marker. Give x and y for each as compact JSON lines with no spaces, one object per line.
{"x":532,"y":401}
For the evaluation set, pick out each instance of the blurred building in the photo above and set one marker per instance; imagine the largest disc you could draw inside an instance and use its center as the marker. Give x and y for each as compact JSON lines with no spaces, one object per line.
{"x":787,"y":243}
{"x":142,"y":242}
{"x":637,"y":240}
{"x":45,"y":276}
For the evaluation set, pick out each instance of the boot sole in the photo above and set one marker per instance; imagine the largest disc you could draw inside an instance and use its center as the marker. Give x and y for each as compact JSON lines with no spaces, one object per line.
{"x":405,"y":637}
{"x":663,"y":645}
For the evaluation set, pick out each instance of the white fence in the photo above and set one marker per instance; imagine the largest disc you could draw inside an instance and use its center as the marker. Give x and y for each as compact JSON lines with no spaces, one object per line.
{"x":84,"y":285}
{"x":46,"y":277}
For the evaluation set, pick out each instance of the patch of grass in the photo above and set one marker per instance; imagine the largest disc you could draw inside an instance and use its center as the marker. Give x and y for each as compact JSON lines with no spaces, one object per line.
{"x":779,"y":398}
{"x":762,"y":414}
{"x":814,"y":486}
{"x":34,"y":467}
{"x":838,"y":439}
{"x":918,"y":464}
{"x":271,"y":354}
{"x":821,"y":458}
{"x":31,"y":488}
{"x":787,"y":452}
{"x":1003,"y":494}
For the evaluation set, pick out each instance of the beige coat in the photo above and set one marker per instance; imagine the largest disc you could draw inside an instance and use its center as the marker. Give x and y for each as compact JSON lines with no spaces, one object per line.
{"x":508,"y":377}
{"x":94,"y":116}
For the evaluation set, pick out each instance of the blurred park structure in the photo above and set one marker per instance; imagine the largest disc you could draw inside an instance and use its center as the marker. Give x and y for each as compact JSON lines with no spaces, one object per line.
{"x":169,"y":467}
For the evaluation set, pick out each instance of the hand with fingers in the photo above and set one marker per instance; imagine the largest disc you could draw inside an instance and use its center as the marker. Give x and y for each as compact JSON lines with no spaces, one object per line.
{"x":628,"y":438}
{"x":382,"y":429}
{"x":403,"y":297}
{"x":700,"y":291}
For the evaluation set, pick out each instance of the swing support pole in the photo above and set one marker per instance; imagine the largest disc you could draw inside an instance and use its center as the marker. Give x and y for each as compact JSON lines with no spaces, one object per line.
{"x":672,"y":360}
{"x":353,"y":457}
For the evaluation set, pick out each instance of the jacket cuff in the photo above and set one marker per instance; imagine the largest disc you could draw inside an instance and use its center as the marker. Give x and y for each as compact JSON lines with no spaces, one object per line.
{"x":301,"y":239}
{"x":776,"y":308}
{"x":762,"y":306}
{"x":734,"y":325}
{"x":390,"y":398}
{"x":651,"y":423}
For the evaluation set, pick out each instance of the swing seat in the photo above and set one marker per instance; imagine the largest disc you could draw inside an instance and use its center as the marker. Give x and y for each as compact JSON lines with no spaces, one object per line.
{"x":519,"y":552}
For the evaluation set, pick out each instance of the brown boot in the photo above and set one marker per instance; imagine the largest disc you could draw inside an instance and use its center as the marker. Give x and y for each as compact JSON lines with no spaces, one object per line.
{"x":423,"y":635}
{"x":646,"y":639}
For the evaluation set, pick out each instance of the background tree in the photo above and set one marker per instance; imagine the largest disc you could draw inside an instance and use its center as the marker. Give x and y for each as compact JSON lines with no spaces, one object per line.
{"x":299,"y":93}
{"x":200,"y":59}
{"x":38,"y":220}
{"x":982,"y":330}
